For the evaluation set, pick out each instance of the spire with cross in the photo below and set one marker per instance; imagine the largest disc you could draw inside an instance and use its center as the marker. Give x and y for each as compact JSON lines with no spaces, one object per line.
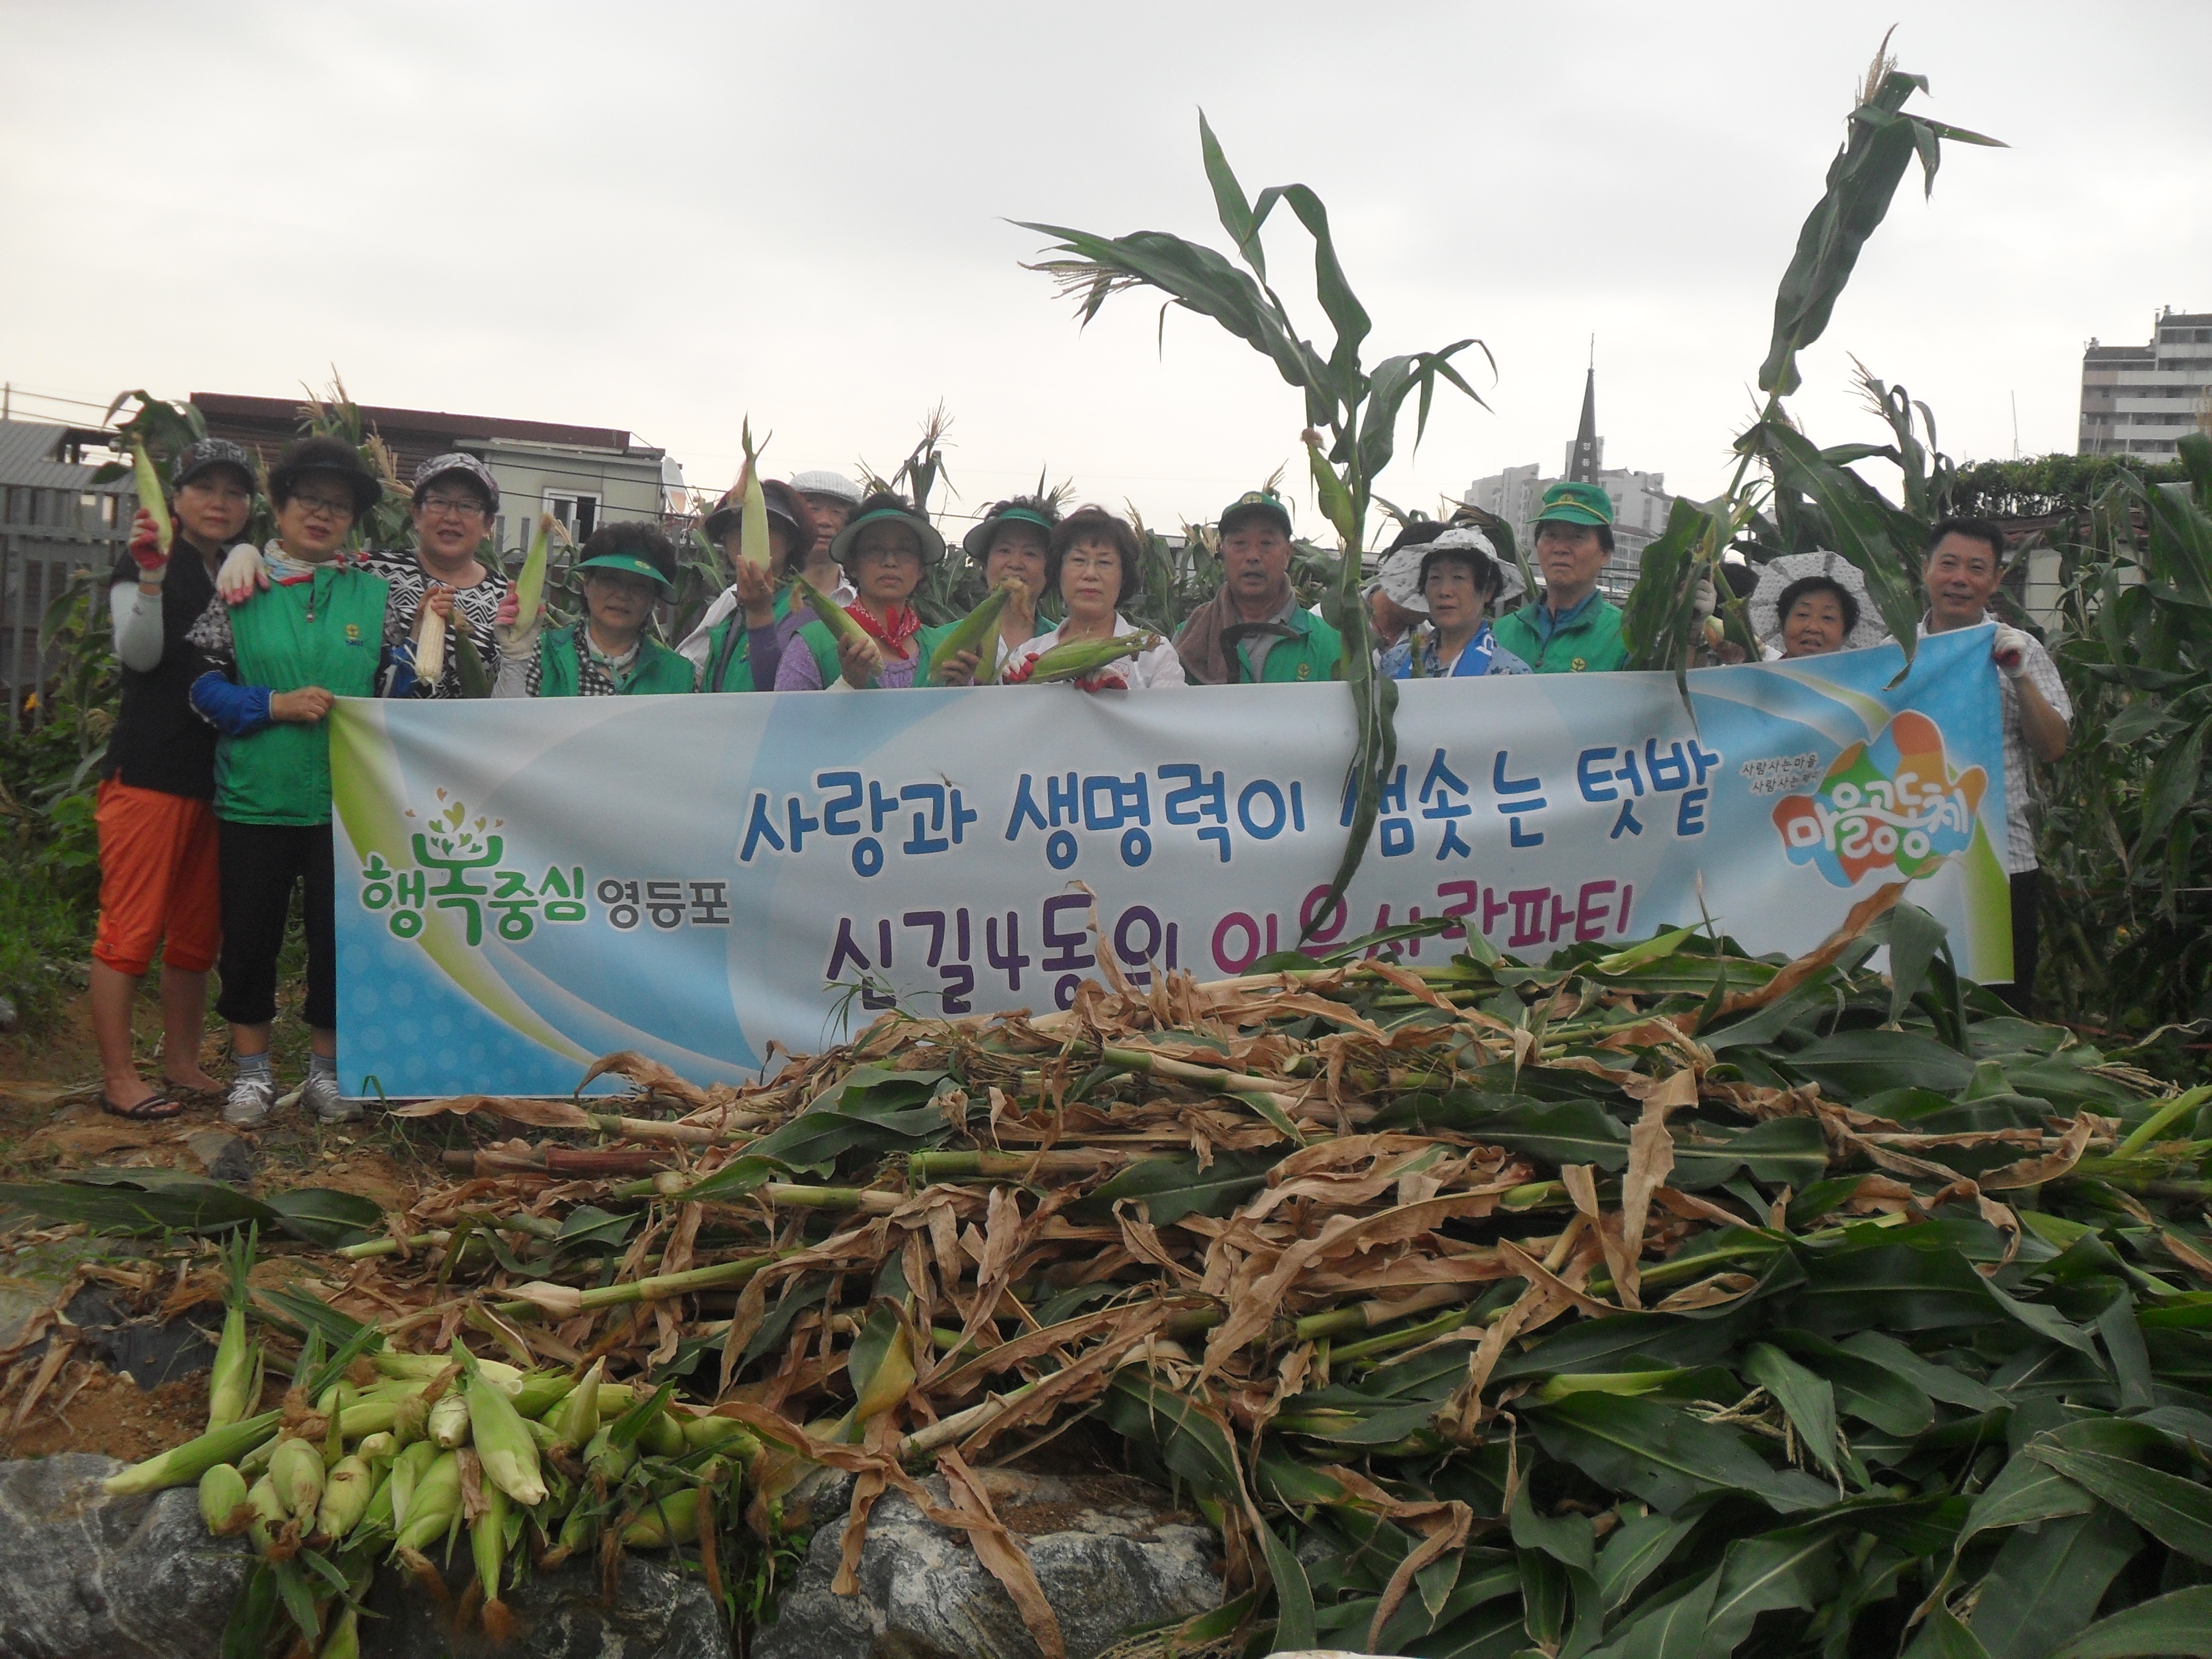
{"x":1583,"y":463}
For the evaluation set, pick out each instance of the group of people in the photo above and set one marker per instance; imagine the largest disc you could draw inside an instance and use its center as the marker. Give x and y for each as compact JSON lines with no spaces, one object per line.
{"x":214,"y":808}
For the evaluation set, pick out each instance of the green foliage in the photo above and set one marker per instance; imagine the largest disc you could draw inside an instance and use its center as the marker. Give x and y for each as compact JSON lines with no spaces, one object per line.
{"x":2127,"y":835}
{"x":2036,"y":485}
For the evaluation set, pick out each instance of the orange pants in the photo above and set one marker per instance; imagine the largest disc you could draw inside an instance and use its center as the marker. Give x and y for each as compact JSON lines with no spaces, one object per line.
{"x":159,"y":880}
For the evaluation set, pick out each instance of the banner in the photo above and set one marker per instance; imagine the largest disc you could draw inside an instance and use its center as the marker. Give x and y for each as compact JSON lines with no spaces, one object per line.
{"x":523,"y":886}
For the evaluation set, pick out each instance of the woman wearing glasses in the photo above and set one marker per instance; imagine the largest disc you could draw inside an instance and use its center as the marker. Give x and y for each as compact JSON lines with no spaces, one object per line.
{"x":286,"y":653}
{"x":455,"y":502}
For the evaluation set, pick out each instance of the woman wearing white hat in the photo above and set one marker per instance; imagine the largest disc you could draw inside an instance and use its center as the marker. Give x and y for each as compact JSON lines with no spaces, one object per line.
{"x":1459,"y":583}
{"x":832,"y":499}
{"x":1809,"y":605}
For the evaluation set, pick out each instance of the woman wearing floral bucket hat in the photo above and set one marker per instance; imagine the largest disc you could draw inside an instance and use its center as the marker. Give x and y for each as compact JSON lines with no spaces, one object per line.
{"x":883,"y":549}
{"x":628,"y":568}
{"x":1459,"y":583}
{"x":1808,"y":604}
{"x":455,"y":500}
{"x":739,"y":643}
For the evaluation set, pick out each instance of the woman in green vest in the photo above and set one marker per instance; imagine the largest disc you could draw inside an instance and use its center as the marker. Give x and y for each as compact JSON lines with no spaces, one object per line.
{"x":282,"y":657}
{"x":628,"y":568}
{"x":885,"y":549}
{"x":740,"y":642}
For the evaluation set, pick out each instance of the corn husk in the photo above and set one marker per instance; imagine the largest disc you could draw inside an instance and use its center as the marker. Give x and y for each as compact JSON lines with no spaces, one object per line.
{"x":447,"y":1424}
{"x":667,"y":1521}
{"x":234,"y":1372}
{"x":269,"y":1514}
{"x":578,"y":1416}
{"x":832,"y":614}
{"x":752,"y":534}
{"x":223,"y":1501}
{"x":1074,"y":660}
{"x":183,"y":1466}
{"x":345,"y":1639}
{"x":432,"y":1507}
{"x":151,"y":499}
{"x":407,"y":1470}
{"x":496,"y":1430}
{"x":346,"y":1492}
{"x":973,"y":632}
{"x":297,"y":1471}
{"x":530,"y":581}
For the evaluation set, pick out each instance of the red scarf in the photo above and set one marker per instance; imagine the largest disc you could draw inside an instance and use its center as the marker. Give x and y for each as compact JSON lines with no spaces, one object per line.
{"x":905,"y":622}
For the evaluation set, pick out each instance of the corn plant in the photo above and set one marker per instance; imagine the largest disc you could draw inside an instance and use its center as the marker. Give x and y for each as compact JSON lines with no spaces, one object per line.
{"x":1814,"y":497}
{"x":1352,"y":410}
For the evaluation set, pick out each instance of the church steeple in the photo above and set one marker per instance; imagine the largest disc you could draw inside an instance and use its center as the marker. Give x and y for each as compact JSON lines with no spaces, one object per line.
{"x":1583,"y":464}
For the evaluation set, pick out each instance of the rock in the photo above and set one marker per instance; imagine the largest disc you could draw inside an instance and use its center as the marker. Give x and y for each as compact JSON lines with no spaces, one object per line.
{"x":658,"y":1613}
{"x":1110,"y":1553}
{"x":82,"y":1576}
{"x":9,"y":1018}
{"x":130,"y":1578}
{"x":224,"y":1156}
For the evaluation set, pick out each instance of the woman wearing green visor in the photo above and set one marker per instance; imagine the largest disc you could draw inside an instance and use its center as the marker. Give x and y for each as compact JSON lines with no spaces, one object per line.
{"x":884,"y":549}
{"x":628,"y":568}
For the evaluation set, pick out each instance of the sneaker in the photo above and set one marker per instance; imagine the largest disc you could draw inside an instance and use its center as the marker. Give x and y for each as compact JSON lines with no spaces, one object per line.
{"x":320,"y":1095}
{"x":252,"y":1096}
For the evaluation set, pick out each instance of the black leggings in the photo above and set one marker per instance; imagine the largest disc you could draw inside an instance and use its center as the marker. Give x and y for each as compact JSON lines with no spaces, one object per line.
{"x":260,"y":863}
{"x":2026,"y":943}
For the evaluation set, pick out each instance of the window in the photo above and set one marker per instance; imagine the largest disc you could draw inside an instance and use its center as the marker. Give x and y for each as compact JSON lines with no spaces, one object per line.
{"x":579,"y":514}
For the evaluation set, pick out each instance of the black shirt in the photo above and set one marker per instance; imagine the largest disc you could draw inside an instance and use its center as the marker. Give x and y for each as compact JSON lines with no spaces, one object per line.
{"x":158,"y":743}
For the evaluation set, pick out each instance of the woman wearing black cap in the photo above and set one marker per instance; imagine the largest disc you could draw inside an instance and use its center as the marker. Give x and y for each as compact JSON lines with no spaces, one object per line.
{"x":739,"y":643}
{"x":283,"y":656}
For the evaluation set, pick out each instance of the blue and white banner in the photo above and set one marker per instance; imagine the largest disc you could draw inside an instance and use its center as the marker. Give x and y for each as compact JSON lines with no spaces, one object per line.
{"x":525,"y":885}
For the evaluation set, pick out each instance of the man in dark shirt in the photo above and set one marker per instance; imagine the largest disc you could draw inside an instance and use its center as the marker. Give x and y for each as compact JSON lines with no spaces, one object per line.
{"x":158,"y":882}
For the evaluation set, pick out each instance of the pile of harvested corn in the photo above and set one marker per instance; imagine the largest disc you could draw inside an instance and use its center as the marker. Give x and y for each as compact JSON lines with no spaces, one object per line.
{"x":1667,"y":1301}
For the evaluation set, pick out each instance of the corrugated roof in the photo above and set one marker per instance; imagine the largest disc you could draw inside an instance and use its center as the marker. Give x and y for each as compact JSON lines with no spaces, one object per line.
{"x":27,"y":457}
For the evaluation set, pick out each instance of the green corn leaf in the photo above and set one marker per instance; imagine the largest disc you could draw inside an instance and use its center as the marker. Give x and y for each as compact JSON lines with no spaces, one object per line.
{"x":1808,"y":1400}
{"x":2044,"y":1587}
{"x":2175,"y":1511}
{"x":2177,"y":1623}
{"x":1665,"y":1457}
{"x":1942,"y":1637}
{"x":1671,"y":1627}
{"x":1174,"y":1187}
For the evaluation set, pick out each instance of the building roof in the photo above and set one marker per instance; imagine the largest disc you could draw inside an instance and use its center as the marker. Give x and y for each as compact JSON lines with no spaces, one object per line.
{"x":410,"y":428}
{"x":28,"y":457}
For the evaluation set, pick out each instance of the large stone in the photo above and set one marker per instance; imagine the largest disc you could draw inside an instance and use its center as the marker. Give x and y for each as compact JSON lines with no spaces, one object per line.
{"x":658,"y":1613}
{"x":130,"y":1578}
{"x":1111,"y":1554}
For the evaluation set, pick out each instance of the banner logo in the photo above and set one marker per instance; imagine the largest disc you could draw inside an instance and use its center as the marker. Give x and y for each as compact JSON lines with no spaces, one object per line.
{"x":1894,"y":803}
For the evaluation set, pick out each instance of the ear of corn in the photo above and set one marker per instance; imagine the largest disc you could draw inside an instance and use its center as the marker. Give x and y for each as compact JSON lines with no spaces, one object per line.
{"x":233,"y":1370}
{"x":488,"y":1544}
{"x":223,"y":1496}
{"x":434,"y":1504}
{"x":377,"y":1517}
{"x":346,"y":1492}
{"x":530,"y":583}
{"x":722,"y":1434}
{"x":374,"y":1447}
{"x":430,"y":649}
{"x":407,"y":1470}
{"x":752,"y":533}
{"x":578,"y":1415}
{"x":154,"y":504}
{"x":447,"y":1424}
{"x":667,"y":1521}
{"x":607,"y":1460}
{"x":497,"y":1429}
{"x":469,"y":665}
{"x":334,"y":1436}
{"x":833,"y":615}
{"x":973,"y":632}
{"x":1075,"y":659}
{"x":345,"y":1639}
{"x":183,"y":1466}
{"x":296,"y":1472}
{"x":269,"y":1516}
{"x":537,"y":1393}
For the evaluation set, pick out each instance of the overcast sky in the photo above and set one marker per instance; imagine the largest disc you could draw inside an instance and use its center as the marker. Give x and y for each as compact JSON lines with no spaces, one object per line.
{"x":661,"y":217}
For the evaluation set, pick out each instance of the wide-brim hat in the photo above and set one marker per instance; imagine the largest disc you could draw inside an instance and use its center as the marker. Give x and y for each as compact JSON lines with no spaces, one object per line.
{"x":1573,"y":502}
{"x":932,"y":544}
{"x":631,"y":564}
{"x":207,"y":454}
{"x":1777,"y":576}
{"x":1399,"y":577}
{"x":977,"y":543}
{"x":730,"y":510}
{"x":456,"y":464}
{"x":1465,"y":542}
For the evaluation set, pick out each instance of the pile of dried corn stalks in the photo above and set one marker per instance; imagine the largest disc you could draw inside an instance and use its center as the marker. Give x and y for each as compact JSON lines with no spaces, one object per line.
{"x":1664,"y":1302}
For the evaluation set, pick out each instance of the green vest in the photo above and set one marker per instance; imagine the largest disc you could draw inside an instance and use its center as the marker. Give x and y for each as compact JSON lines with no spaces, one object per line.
{"x":325,"y":631}
{"x":1591,"y":644}
{"x":729,"y":650}
{"x":657,"y":672}
{"x":1315,"y":652}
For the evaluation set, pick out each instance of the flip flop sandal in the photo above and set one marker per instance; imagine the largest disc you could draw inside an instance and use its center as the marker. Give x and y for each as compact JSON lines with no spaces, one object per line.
{"x":153,"y":1109}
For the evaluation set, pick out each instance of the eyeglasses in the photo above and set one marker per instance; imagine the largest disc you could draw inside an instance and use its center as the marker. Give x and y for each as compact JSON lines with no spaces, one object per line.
{"x":325,"y":506}
{"x":453,"y":507}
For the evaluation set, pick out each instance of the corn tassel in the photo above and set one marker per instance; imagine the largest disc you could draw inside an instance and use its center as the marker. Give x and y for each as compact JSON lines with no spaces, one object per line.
{"x":234,"y":1370}
{"x":151,"y":499}
{"x":346,"y":1492}
{"x":435,"y":1502}
{"x":973,"y":632}
{"x":509,"y":1455}
{"x":1078,"y":659}
{"x":223,"y":1496}
{"x":183,"y":1466}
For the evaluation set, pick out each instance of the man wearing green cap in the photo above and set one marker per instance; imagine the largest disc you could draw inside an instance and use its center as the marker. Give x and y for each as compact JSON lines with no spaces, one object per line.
{"x":627,"y":566}
{"x":1253,"y":631}
{"x":1573,"y":628}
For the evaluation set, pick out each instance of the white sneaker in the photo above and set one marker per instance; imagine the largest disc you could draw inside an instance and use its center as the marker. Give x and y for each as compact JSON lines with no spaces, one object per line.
{"x":252,"y":1096}
{"x":320,"y":1095}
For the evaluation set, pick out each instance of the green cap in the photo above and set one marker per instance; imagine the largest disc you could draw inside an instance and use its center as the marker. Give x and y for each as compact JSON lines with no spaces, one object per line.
{"x":632,"y":564}
{"x":977,"y":541}
{"x":1575,"y":503}
{"x":1256,"y":503}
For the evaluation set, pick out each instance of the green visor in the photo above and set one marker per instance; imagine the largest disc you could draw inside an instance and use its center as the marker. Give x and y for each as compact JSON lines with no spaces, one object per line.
{"x":925,"y":534}
{"x":977,"y":543}
{"x":630,"y":564}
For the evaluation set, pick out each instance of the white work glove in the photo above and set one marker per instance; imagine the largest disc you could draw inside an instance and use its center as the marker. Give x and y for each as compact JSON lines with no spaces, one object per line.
{"x":242,"y":576}
{"x":517,"y":641}
{"x":1702,"y":604}
{"x":2009,"y":650}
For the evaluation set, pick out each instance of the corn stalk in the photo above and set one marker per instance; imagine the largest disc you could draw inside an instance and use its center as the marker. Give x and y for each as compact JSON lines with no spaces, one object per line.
{"x":1350,"y":410}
